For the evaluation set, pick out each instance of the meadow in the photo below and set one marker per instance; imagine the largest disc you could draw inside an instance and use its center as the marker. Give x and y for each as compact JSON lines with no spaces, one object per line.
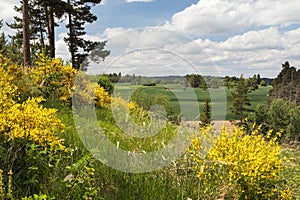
{"x":192,"y":99}
{"x":177,"y":181}
{"x":46,"y":154}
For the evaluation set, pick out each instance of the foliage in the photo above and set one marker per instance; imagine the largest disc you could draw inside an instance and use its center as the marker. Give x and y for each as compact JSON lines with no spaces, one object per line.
{"x":14,"y":74}
{"x":10,"y":49}
{"x":239,"y":165}
{"x":38,"y":197}
{"x":29,"y":138}
{"x":88,"y":92}
{"x":79,"y":14}
{"x":195,"y":81}
{"x":105,"y":83}
{"x":252,"y":83}
{"x":279,"y":116}
{"x":147,"y":101}
{"x":41,"y":17}
{"x":51,"y":79}
{"x":28,"y":120}
{"x":114,"y":78}
{"x":40,"y":161}
{"x":287,"y":84}
{"x":149,"y":84}
{"x":263,"y":83}
{"x":26,"y":34}
{"x":230,"y":82}
{"x":80,"y":181}
{"x":213,"y":82}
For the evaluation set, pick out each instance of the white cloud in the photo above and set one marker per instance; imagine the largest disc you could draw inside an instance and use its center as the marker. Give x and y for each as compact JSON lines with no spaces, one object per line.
{"x":254,"y":40}
{"x":154,"y":51}
{"x":234,"y":16}
{"x":146,"y":1}
{"x":257,"y":41}
{"x":62,"y":50}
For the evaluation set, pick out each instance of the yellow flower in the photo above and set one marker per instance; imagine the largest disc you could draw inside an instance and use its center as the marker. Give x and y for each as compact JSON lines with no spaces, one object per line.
{"x":243,"y":159}
{"x":27,"y":120}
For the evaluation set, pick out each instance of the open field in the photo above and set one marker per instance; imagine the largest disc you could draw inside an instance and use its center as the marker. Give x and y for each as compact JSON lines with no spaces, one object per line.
{"x":189,"y":101}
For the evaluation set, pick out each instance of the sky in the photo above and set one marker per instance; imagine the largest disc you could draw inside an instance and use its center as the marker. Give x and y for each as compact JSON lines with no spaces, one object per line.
{"x":176,"y":37}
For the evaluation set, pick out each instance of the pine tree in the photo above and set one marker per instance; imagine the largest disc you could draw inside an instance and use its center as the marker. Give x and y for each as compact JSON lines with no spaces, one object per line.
{"x":79,"y":14}
{"x":41,"y":21}
{"x":9,"y":49}
{"x":258,"y":79}
{"x":205,"y":117}
{"x":240,"y":99}
{"x":287,"y":84}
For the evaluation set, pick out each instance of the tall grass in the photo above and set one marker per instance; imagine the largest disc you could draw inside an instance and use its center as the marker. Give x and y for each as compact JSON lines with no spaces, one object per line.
{"x":177,"y":181}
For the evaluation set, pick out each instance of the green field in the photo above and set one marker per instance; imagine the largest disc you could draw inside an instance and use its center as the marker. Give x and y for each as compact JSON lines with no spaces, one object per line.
{"x":189,"y":101}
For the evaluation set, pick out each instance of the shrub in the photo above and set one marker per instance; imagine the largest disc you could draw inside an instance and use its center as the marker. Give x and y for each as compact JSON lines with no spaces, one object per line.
{"x":239,"y":165}
{"x":50,"y":78}
{"x":149,"y":84}
{"x":29,"y":140}
{"x":89,"y":93}
{"x":146,"y":101}
{"x":81,"y":182}
{"x":279,"y":116}
{"x":105,"y":83}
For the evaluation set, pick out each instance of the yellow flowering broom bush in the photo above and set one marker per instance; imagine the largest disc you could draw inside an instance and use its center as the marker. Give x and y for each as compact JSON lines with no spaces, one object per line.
{"x":29,"y":136}
{"x":129,"y":113}
{"x":50,"y":78}
{"x":239,"y":165}
{"x":27,"y":120}
{"x":88,"y":92}
{"x":16,"y":74}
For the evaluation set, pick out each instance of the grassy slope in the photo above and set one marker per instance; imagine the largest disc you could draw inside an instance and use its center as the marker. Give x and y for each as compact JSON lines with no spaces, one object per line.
{"x":160,"y":185}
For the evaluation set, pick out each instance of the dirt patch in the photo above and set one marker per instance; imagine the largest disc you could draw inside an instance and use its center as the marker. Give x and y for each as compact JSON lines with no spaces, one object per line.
{"x":228,"y":124}
{"x":216,"y":124}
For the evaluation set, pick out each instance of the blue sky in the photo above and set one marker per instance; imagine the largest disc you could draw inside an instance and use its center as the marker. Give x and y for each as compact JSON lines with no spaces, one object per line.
{"x":118,"y":13}
{"x":210,"y":37}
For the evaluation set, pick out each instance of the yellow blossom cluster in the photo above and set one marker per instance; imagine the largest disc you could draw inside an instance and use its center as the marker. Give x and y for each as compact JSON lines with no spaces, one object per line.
{"x":123,"y":109}
{"x":30,"y":120}
{"x":119,"y":102}
{"x":247,"y":162}
{"x":27,"y":120}
{"x":51,"y":78}
{"x":88,"y":92}
{"x":7,"y":91}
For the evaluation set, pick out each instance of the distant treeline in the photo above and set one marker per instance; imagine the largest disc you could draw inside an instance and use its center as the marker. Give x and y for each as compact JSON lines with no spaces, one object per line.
{"x":189,"y":80}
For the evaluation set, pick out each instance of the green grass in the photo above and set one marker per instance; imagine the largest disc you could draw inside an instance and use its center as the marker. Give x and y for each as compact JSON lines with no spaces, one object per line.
{"x":117,"y":185}
{"x":189,"y":101}
{"x":176,"y":181}
{"x":173,"y":182}
{"x":291,"y":174}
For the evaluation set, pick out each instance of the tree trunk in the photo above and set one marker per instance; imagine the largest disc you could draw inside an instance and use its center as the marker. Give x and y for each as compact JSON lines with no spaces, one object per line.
{"x":51,"y":33}
{"x":26,"y":35}
{"x":71,"y":39}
